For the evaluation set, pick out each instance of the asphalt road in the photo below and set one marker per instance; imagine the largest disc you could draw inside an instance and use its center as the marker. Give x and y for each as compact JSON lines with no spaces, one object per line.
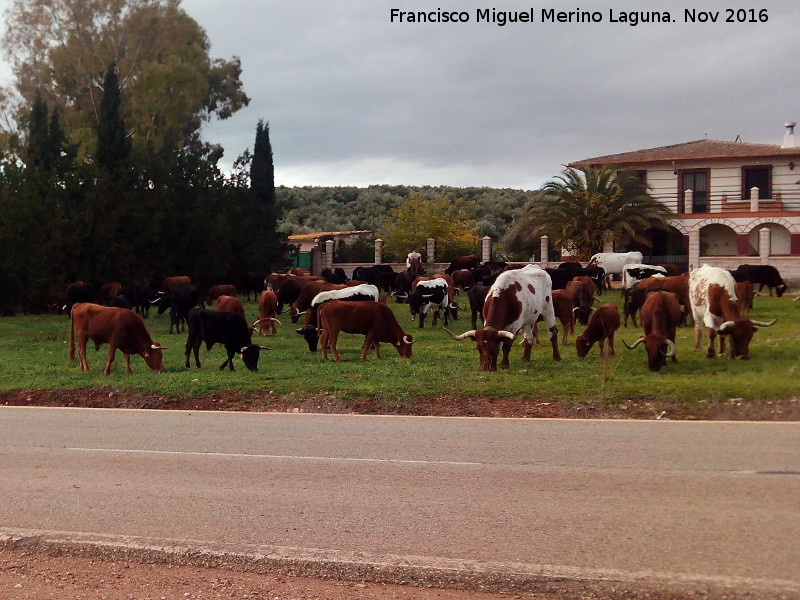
{"x":501,"y":503}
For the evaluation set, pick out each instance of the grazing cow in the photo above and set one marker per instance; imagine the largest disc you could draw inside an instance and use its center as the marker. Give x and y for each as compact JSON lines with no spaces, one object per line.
{"x":462,"y":280}
{"x":745,"y":293}
{"x":477,"y":297}
{"x":170,"y":282}
{"x":660,"y":315}
{"x":229,"y":304}
{"x":108,"y":292}
{"x":307,"y":293}
{"x":141,"y":297}
{"x":381,"y":276}
{"x":463,"y":262}
{"x":514,"y":303}
{"x":215,"y":291}
{"x":402,"y":285}
{"x":357,"y":293}
{"x":267,"y":311}
{"x":120,"y":328}
{"x":634,"y":273}
{"x":372,"y":319}
{"x":612,"y":262}
{"x":430,"y":294}
{"x":581,"y":290}
{"x":712,"y":292}
{"x":79,"y":292}
{"x":179,"y":300}
{"x":562,"y":305}
{"x":603,"y":323}
{"x":226,"y":328}
{"x":414,"y":263}
{"x":289,"y":290}
{"x":764,"y":275}
{"x":561,"y":277}
{"x":677,"y":284}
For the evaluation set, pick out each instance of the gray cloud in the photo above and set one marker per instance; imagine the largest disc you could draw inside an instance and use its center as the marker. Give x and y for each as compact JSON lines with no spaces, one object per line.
{"x":353,"y":99}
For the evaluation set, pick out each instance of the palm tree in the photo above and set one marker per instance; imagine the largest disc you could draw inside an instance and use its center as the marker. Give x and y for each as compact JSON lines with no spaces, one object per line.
{"x":585,"y":208}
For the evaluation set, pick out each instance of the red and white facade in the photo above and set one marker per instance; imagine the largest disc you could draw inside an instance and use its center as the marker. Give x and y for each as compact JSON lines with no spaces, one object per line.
{"x":732,"y":202}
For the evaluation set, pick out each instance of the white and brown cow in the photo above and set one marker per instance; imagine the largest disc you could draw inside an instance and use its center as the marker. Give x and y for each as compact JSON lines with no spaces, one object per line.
{"x":514,"y":303}
{"x":712,"y":293}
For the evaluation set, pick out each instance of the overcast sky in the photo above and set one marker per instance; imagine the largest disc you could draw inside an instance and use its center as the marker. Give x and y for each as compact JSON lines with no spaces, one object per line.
{"x":353,"y":98}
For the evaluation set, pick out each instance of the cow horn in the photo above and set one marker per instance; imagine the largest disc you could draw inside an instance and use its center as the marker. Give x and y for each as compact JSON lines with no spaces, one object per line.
{"x":722,"y":329}
{"x":671,"y":352}
{"x":636,"y":343}
{"x":156,"y":347}
{"x":765,"y":323}
{"x":458,"y":338}
{"x":402,"y":295}
{"x":406,"y":340}
{"x":574,"y":309}
{"x":592,"y":309}
{"x":506,"y":334}
{"x":265,"y":347}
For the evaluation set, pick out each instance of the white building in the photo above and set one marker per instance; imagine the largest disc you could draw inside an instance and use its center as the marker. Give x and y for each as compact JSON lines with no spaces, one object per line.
{"x":733,"y":202}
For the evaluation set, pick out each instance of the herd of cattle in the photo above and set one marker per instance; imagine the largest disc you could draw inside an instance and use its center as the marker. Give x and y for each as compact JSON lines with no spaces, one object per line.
{"x":510,"y":300}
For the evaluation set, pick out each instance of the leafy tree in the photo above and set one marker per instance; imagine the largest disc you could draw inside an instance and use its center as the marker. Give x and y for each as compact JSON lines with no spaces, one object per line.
{"x":437,"y":216}
{"x":585,"y":208}
{"x":63,"y":47}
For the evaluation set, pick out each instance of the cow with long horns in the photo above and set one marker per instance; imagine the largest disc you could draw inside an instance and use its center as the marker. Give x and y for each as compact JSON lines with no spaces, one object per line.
{"x":514,"y":303}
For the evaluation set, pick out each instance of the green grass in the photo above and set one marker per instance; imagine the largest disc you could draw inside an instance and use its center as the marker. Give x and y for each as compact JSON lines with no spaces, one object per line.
{"x":33,"y":355}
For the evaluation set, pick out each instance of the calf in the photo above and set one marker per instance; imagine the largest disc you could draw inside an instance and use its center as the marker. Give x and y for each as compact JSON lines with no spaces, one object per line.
{"x":581,"y":289}
{"x":603,"y":323}
{"x":226,"y":328}
{"x":745,"y":293}
{"x":374,"y":320}
{"x":715,"y":307}
{"x":357,"y":293}
{"x":660,"y":315}
{"x":562,"y":305}
{"x":117,"y":327}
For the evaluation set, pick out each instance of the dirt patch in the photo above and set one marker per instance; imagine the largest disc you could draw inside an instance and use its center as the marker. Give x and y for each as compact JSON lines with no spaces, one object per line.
{"x":652,"y":408}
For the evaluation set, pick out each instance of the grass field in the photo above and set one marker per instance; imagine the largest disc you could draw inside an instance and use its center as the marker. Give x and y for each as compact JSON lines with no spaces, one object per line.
{"x":33,"y":355}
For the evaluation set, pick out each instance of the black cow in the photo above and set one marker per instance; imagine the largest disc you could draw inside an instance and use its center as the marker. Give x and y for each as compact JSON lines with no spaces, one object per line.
{"x":79,"y":292}
{"x":221,"y":327}
{"x":402,"y":284}
{"x":561,"y":277}
{"x":381,"y":276}
{"x":180,"y":300}
{"x":430,"y":295}
{"x":477,"y":297}
{"x":336,"y":275}
{"x":765,"y":275}
{"x":141,"y":297}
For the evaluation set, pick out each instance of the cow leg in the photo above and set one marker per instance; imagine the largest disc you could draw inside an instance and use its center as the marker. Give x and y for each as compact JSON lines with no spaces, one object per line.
{"x":722,"y":340}
{"x":601,"y":347}
{"x":377,"y":347}
{"x":526,"y":350}
{"x":323,"y":342}
{"x":332,"y":339}
{"x":228,"y":362}
{"x":506,"y":349}
{"x":127,"y":358}
{"x":554,"y":343}
{"x":112,"y":351}
{"x":611,"y":344}
{"x":698,"y":337}
{"x":712,"y":335}
{"x":82,"y":354}
{"x":536,"y":336}
{"x":422,"y":320}
{"x":434,"y":317}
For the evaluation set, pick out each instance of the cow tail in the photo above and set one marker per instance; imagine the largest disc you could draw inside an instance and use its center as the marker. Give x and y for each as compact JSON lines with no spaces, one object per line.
{"x":71,"y":338}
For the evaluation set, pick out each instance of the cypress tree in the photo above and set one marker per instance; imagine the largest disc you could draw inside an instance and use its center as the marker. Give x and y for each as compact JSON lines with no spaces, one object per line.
{"x":112,"y":143}
{"x":39,"y":152}
{"x":262,"y":192}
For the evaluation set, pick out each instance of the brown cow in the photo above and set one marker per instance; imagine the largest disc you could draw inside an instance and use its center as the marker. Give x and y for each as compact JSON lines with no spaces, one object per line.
{"x":215,"y":291}
{"x":108,"y":292}
{"x":267,"y":309}
{"x":660,"y":315}
{"x":745,"y":293}
{"x":229,"y":304}
{"x":170,"y":282}
{"x":678,"y":285}
{"x":603,"y":323}
{"x":582,"y":289}
{"x":562,"y":305}
{"x":462,"y":280}
{"x":307,"y":293}
{"x":374,"y":320}
{"x":117,"y":327}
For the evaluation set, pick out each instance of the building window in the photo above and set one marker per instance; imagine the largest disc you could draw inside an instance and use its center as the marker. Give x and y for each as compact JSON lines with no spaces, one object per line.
{"x":697,"y":181}
{"x":760,"y":177}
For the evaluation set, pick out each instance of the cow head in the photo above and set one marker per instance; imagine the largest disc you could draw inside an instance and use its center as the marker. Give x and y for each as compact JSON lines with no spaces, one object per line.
{"x":740,"y":331}
{"x":659,"y":349}
{"x":583,"y":345}
{"x":310,"y":335}
{"x":154,"y":357}
{"x":403,"y":345}
{"x":780,"y":289}
{"x":488,"y":342}
{"x":249,"y":355}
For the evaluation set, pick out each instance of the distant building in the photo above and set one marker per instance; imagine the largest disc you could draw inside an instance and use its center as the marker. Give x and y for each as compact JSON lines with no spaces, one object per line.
{"x":310,"y":247}
{"x":733,"y":202}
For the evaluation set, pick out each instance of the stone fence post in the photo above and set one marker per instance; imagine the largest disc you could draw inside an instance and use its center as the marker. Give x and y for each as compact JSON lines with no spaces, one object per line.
{"x":764,"y":238}
{"x":329,"y":254}
{"x":431,"y":250}
{"x":544,"y":250}
{"x":486,"y":249}
{"x":378,"y":251}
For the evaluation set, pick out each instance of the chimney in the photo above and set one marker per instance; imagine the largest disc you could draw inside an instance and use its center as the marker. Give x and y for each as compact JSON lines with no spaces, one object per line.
{"x":788,"y":137}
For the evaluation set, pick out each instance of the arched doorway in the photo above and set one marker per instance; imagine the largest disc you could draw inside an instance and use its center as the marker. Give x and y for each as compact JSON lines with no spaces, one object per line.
{"x":780,"y":239}
{"x":717,"y":239}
